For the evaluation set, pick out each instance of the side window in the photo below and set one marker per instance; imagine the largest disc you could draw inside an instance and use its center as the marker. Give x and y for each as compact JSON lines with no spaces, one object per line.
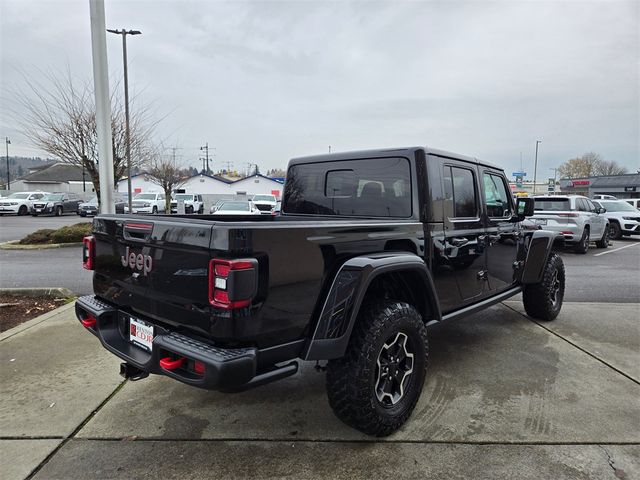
{"x":161,"y":196}
{"x":496,"y":196}
{"x":460,"y":193}
{"x":591,"y":206}
{"x":581,"y":205}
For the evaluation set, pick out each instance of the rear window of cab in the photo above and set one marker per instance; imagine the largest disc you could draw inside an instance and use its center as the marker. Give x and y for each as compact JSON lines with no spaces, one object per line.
{"x":370,"y":187}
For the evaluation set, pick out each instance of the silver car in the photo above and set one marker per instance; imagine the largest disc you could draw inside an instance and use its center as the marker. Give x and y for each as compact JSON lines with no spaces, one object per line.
{"x":576,"y":217}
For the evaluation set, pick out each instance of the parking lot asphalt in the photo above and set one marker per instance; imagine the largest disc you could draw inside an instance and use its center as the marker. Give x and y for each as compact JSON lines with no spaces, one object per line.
{"x":505,"y":397}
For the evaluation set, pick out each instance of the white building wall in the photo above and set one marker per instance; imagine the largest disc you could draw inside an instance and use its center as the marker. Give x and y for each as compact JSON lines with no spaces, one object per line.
{"x":139,"y":184}
{"x":22,"y":186}
{"x":204,"y":185}
{"x":256,"y":184}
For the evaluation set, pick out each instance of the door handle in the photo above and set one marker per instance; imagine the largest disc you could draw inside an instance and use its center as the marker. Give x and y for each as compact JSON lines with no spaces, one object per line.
{"x":459,"y":241}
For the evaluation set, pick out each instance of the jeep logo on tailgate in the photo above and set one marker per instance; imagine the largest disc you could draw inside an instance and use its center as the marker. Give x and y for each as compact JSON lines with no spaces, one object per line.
{"x":140,"y":262}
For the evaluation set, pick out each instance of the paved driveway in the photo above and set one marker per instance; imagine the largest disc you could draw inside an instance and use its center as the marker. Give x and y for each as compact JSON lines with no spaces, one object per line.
{"x":505,"y":397}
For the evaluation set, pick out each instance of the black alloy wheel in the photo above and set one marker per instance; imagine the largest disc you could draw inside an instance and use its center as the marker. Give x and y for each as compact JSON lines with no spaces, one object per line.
{"x":604,"y":241}
{"x":616,"y":231}
{"x":375,"y":386}
{"x":583,"y":244}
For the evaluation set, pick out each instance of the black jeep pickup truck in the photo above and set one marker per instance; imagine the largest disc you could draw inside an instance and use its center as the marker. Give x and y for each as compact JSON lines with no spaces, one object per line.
{"x":371,"y":247}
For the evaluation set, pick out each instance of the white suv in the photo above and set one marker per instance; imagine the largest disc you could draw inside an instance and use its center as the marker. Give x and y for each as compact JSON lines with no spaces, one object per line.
{"x":265,"y":203}
{"x":577,"y":218}
{"x":147,"y":203}
{"x":19,"y":203}
{"x":623,"y":218}
{"x":192,"y":203}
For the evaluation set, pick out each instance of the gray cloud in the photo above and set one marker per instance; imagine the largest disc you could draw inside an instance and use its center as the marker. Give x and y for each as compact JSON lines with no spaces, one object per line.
{"x":265,"y":81}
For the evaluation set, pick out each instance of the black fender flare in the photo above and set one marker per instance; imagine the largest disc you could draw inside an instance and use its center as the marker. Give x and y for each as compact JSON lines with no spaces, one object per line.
{"x":344,"y":299}
{"x":540,"y":245}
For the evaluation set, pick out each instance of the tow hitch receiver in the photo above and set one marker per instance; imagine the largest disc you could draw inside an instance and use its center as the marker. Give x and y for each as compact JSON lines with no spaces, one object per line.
{"x":132,"y":373}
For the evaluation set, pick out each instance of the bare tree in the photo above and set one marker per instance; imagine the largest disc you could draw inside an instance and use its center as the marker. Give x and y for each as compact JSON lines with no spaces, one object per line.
{"x":588,"y":165}
{"x":58,"y":116}
{"x":163,"y":171}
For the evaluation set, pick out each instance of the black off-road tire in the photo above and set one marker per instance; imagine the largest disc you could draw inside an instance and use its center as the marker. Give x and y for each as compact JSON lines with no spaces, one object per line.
{"x":604,"y":241}
{"x":544,"y":300}
{"x":23,"y":210}
{"x":352,"y":379}
{"x":583,"y":245}
{"x":615,"y":231}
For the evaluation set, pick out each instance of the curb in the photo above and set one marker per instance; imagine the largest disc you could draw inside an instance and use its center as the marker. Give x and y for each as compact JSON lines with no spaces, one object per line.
{"x":13,"y":245}
{"x":35,"y":321}
{"x":39,"y":292}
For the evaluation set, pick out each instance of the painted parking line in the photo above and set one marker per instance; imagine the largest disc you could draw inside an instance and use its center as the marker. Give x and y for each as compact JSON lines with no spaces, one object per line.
{"x":616,"y":249}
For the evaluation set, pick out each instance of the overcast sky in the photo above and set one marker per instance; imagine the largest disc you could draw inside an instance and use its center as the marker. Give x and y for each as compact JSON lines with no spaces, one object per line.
{"x":266,"y":81}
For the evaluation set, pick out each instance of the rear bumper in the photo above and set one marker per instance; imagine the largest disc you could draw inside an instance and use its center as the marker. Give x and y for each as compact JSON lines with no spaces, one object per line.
{"x":571,"y":232}
{"x":224,"y":368}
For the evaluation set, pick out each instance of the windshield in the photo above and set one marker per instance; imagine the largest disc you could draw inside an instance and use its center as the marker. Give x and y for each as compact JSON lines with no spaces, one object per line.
{"x":240,"y":206}
{"x":182,"y":196}
{"x":264,"y":198}
{"x":94,"y":200}
{"x":552,"y":204}
{"x":20,"y":196}
{"x":53,"y":197}
{"x":145,"y":196}
{"x":617,"y":206}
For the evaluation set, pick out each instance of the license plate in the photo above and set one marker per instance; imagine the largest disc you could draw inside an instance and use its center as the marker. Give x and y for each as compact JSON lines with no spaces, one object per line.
{"x":141,"y":333}
{"x":540,"y":221}
{"x":38,"y":209}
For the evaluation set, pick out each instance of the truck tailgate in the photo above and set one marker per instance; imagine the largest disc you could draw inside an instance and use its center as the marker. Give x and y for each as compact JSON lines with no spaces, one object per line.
{"x":155,"y":267}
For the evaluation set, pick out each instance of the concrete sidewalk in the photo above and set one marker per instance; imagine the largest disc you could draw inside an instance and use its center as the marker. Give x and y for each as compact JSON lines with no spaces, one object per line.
{"x":505,"y":397}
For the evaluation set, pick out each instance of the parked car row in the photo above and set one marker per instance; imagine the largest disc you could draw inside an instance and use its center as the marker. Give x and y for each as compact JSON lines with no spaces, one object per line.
{"x":581,"y":220}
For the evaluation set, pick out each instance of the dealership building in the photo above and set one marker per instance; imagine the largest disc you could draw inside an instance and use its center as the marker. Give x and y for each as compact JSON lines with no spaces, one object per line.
{"x":620,"y":186}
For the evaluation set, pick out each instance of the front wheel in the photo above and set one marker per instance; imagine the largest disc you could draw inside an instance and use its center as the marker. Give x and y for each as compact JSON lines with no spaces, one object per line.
{"x":154,"y":210}
{"x":604,"y":241}
{"x":616,"y":231}
{"x":583,"y":244}
{"x":543,"y":300}
{"x":58,"y":211}
{"x":376,"y":385}
{"x":22,"y":210}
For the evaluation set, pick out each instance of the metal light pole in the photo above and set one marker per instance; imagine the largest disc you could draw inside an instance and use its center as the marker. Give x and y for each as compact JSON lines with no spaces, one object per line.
{"x":535,"y":167}
{"x":8,"y":142}
{"x":124,"y":34}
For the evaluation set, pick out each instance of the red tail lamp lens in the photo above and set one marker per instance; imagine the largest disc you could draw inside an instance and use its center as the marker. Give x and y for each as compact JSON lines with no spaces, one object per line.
{"x":88,"y":252}
{"x":220,"y":282}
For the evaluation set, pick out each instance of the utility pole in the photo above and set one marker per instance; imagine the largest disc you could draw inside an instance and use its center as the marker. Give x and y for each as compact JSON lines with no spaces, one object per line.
{"x":124,"y":34}
{"x":8,"y":142}
{"x":329,"y":148}
{"x":535,"y":167}
{"x":206,"y":155}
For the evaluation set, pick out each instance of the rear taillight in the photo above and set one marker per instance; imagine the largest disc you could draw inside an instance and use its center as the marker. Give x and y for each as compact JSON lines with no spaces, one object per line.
{"x":88,"y":252}
{"x":232,"y":283}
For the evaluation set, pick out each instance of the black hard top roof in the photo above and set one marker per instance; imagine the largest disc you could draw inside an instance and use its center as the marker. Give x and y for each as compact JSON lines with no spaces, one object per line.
{"x":386,"y":152}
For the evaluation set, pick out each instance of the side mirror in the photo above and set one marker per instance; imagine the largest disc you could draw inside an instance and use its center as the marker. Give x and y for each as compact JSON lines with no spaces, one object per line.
{"x":524,"y":208}
{"x":601,"y":210}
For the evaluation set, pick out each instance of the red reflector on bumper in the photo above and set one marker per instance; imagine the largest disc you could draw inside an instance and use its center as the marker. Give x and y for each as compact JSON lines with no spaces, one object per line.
{"x":170,"y":364}
{"x":89,"y":322}
{"x":198,"y":367}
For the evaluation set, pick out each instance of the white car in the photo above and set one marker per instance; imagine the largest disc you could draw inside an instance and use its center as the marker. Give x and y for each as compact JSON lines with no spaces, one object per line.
{"x":623,"y":218}
{"x":236,"y":208}
{"x":601,"y":196}
{"x":147,"y":203}
{"x":192,"y":203}
{"x":19,"y":203}
{"x":576,"y":217}
{"x":265,"y":203}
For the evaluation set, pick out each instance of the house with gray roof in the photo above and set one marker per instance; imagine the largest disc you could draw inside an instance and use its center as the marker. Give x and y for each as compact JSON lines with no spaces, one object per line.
{"x":57,"y":177}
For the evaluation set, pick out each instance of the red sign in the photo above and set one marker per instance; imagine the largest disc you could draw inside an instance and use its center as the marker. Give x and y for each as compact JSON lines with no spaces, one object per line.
{"x":575,"y":183}
{"x":275,"y":193}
